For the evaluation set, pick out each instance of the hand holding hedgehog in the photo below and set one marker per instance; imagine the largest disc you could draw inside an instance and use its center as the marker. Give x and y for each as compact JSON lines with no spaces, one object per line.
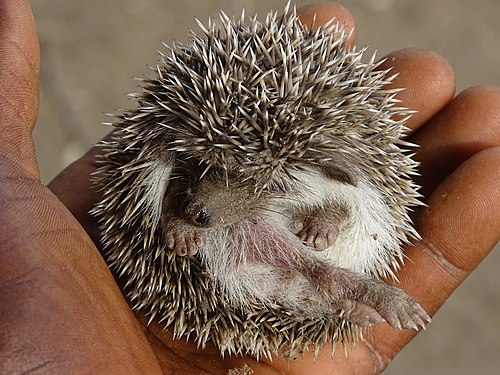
{"x":83,"y":297}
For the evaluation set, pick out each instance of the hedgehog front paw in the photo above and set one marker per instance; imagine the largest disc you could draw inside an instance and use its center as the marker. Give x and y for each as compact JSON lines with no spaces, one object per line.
{"x":320,"y":228}
{"x":316,"y":233}
{"x":183,"y":238}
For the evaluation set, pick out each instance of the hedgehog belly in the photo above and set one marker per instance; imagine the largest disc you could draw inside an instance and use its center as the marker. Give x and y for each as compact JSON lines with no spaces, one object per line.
{"x":251,"y":263}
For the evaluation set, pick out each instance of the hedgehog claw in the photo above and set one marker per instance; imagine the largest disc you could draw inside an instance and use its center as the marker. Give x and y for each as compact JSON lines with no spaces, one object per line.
{"x":320,"y":228}
{"x":359,"y":313}
{"x":317,"y":234}
{"x":401,"y":311}
{"x":183,"y":238}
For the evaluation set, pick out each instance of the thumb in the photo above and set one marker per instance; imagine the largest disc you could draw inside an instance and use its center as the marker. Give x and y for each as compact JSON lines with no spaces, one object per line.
{"x":19,"y":72}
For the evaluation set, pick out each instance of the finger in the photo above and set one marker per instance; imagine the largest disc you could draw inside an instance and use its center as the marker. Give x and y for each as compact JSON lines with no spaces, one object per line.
{"x":75,"y":189}
{"x":188,"y":356}
{"x":469,"y":124}
{"x":320,"y":14}
{"x":459,"y":228}
{"x":428,"y":81}
{"x":19,"y":69}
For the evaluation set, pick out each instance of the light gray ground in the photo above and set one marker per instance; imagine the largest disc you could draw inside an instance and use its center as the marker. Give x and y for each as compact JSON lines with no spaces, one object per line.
{"x":91,"y":49}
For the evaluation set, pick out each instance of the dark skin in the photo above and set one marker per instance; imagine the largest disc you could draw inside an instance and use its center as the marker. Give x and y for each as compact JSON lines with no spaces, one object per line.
{"x":61,"y":310}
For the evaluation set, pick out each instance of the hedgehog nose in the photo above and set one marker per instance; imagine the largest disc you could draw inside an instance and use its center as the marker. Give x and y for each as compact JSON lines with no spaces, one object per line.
{"x":197,"y":214}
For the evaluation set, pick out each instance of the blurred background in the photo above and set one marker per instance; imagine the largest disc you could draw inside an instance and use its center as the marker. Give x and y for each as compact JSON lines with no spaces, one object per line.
{"x":91,"y":50}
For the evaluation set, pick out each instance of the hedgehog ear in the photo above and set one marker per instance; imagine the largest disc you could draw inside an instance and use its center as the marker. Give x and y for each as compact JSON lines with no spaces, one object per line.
{"x":338,"y":172}
{"x":155,"y":185}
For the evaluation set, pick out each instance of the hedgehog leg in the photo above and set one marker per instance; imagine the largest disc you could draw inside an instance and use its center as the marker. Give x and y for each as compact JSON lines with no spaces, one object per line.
{"x":359,"y":313}
{"x":366,"y":301}
{"x":319,"y":229}
{"x":183,"y":238}
{"x":357,"y":297}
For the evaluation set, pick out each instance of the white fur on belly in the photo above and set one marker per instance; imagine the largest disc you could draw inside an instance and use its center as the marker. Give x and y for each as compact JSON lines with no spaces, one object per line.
{"x":368,"y":239}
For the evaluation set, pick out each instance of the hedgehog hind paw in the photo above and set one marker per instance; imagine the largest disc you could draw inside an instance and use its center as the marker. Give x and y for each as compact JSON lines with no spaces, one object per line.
{"x":359,"y":313}
{"x":409,"y":315}
{"x":401,"y":311}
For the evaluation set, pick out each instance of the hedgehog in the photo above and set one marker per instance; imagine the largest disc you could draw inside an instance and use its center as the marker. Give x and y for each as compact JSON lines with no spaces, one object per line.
{"x":261,"y":189}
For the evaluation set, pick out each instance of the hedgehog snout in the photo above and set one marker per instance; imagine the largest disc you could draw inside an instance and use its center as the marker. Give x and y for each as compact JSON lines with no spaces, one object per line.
{"x":196,"y":213}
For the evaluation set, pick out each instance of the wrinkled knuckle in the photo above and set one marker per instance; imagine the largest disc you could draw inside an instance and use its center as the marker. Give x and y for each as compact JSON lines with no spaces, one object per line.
{"x":454,"y":270}
{"x":379,"y":361}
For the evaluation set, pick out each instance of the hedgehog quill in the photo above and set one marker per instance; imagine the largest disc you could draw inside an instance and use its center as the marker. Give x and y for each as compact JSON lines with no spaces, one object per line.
{"x":260,"y":190}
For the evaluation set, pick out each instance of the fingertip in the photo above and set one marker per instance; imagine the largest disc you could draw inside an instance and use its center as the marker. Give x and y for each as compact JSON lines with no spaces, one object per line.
{"x":321,"y":13}
{"x":20,"y":58}
{"x":18,"y":30}
{"x":428,"y":80}
{"x":484,"y":101}
{"x":469,"y":124}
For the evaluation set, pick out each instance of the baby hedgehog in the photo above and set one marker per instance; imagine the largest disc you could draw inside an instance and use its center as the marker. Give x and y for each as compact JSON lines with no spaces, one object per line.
{"x":261,"y":189}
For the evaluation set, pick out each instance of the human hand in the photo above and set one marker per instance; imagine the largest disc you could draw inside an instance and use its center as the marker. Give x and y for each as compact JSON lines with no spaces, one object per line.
{"x":60,"y":308}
